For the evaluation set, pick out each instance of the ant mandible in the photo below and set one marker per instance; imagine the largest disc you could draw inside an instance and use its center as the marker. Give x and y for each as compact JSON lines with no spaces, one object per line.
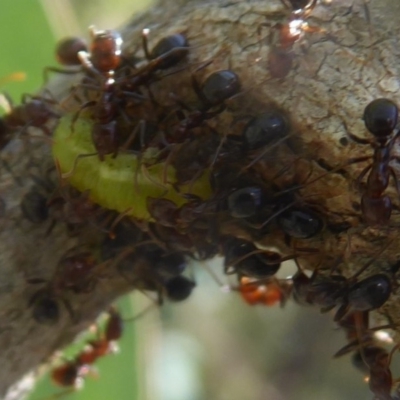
{"x":380,"y":118}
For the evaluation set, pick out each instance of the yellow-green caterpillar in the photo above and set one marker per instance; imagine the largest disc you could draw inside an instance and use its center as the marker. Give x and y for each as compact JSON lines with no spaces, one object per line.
{"x":117,"y":183}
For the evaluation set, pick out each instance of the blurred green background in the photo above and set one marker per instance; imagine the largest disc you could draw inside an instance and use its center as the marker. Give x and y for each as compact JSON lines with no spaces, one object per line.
{"x":213,"y":346}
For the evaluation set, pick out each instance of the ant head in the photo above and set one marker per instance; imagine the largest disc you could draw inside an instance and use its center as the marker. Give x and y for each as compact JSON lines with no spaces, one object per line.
{"x":380,"y":117}
{"x":45,"y":309}
{"x":67,"y":50}
{"x":265,"y":129}
{"x":220,"y":86}
{"x":105,"y":49}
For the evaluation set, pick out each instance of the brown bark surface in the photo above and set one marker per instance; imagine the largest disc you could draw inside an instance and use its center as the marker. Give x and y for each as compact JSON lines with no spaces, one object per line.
{"x":351,"y":59}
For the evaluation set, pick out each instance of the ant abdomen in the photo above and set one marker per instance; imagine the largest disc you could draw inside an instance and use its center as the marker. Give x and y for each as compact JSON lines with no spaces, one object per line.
{"x":370,"y":293}
{"x":67,"y":51}
{"x":179,"y":288}
{"x":245,"y":202}
{"x":166,"y":46}
{"x":220,"y":86}
{"x":300,"y":223}
{"x":265,"y":129}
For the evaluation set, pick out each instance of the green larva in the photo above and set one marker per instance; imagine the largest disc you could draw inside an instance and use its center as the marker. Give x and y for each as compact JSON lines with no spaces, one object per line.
{"x":112,"y":183}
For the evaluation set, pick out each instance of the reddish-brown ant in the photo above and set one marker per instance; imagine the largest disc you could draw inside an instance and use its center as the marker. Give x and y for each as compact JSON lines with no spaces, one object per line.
{"x":370,"y":357}
{"x":74,"y":273}
{"x":71,"y":373}
{"x":380,"y":117}
{"x":281,"y":55}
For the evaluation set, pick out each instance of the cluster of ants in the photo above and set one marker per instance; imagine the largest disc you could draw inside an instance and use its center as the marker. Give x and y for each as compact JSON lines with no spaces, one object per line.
{"x":117,"y":95}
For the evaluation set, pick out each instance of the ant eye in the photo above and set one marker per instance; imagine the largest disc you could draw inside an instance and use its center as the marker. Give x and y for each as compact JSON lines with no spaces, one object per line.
{"x":370,"y":293}
{"x":245,"y":202}
{"x":301,"y":224}
{"x":220,"y":85}
{"x":67,"y":50}
{"x":179,"y":288}
{"x":265,"y":129}
{"x":46,"y":311}
{"x":167,"y":44}
{"x":380,"y":117}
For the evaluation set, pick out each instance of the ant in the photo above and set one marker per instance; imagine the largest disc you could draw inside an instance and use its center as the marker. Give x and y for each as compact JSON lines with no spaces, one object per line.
{"x":218,"y":87}
{"x":33,"y":111}
{"x":380,"y":118}
{"x":370,"y":357}
{"x":348,"y":294}
{"x":280,"y":58}
{"x":146,"y":265}
{"x":71,"y":373}
{"x":74,"y":273}
{"x":102,"y":60}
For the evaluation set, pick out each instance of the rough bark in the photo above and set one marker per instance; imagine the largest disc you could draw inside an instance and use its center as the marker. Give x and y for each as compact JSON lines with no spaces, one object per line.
{"x":336,"y":72}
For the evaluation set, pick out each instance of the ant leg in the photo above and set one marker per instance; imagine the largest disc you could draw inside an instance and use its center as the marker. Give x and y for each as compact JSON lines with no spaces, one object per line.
{"x":354,"y":137}
{"x":70,"y":310}
{"x":361,"y":176}
{"x":196,"y":85}
{"x":364,"y":267}
{"x":78,"y":113}
{"x":146,"y":173}
{"x":132,"y":137}
{"x":68,"y":174}
{"x":145,"y":43}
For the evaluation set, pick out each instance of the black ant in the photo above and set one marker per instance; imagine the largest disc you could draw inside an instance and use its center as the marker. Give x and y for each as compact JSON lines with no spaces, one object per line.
{"x":280,"y":58}
{"x":218,"y":87}
{"x":380,"y":118}
{"x":348,"y":294}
